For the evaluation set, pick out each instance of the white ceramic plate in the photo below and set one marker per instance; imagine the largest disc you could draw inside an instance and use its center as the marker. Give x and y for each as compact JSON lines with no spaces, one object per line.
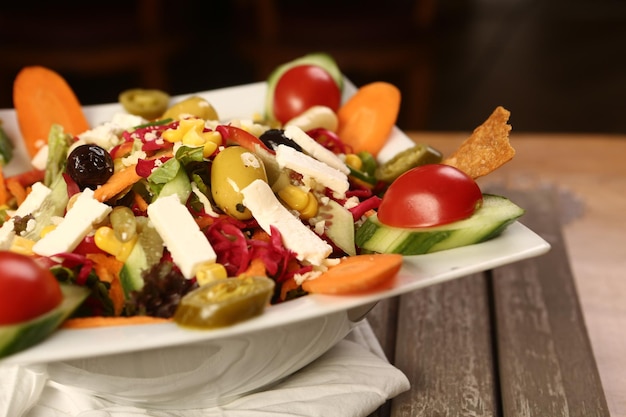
{"x":516,"y":243}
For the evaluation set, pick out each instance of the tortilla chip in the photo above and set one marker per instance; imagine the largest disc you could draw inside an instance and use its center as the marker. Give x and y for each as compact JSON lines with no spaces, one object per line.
{"x":487,"y":148}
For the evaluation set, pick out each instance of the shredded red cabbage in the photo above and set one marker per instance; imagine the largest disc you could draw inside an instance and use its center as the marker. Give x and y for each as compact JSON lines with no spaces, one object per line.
{"x":236,"y":251}
{"x":72,"y":260}
{"x":329,"y":140}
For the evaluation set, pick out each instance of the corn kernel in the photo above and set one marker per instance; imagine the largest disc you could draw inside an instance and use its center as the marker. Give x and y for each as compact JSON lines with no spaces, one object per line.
{"x":295,"y":197}
{"x":46,"y":230}
{"x":22,"y":245}
{"x":310,"y":210}
{"x":210,"y":272}
{"x":172,"y":135}
{"x":353,"y":161}
{"x":105,"y":240}
{"x":193,"y":138}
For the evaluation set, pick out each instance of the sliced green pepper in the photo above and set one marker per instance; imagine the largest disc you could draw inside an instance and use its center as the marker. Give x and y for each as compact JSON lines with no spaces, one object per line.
{"x":420,"y":154}
{"x":224,"y":302}
{"x":148,"y":104}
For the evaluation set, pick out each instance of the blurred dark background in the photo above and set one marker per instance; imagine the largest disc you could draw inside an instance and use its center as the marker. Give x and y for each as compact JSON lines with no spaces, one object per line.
{"x":558,"y":65}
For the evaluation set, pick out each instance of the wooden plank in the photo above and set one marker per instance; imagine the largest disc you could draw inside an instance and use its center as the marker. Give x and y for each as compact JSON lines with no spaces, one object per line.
{"x":444,"y":347}
{"x":545,"y":359}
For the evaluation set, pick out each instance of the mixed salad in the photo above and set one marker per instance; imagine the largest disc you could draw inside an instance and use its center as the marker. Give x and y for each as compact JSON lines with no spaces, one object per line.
{"x":168,"y":212}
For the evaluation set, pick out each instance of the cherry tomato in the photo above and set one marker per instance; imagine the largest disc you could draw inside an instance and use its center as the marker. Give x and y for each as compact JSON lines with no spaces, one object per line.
{"x":27,"y":290}
{"x":429,"y":195}
{"x":303,"y":87}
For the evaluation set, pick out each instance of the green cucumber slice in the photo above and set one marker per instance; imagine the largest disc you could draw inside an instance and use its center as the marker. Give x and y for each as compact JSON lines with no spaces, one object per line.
{"x":487,"y":222}
{"x":20,"y":336}
{"x":339,"y":226}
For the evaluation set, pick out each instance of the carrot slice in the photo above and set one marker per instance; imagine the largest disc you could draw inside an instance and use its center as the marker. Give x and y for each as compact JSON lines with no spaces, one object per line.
{"x":4,"y":192}
{"x":366,"y":119}
{"x":17,"y":190}
{"x":41,"y":98}
{"x":118,"y":182}
{"x":356,"y":274}
{"x":99,"y":321}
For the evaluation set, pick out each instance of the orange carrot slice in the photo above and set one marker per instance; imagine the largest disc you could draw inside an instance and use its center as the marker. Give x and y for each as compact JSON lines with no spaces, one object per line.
{"x":99,"y":321}
{"x":4,"y":192}
{"x":41,"y":98}
{"x":118,"y":182}
{"x":356,"y":274}
{"x":366,"y":119}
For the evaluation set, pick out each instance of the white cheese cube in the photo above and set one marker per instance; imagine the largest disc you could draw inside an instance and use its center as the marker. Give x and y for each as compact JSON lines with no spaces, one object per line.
{"x":76,"y":224}
{"x":323,"y":174}
{"x":33,"y":201}
{"x":311,"y":147}
{"x":259,"y":198}
{"x":181,"y":235}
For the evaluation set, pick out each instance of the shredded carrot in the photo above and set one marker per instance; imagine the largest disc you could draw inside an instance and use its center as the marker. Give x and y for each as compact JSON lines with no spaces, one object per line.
{"x":256,"y":268}
{"x":356,"y":274}
{"x":367,"y":118}
{"x":4,"y":193}
{"x":204,"y":221}
{"x":287,"y":286}
{"x":261,"y":235}
{"x":99,"y":321}
{"x":17,"y":190}
{"x":108,"y":269}
{"x":118,"y":182}
{"x":140,"y":202}
{"x":41,"y":98}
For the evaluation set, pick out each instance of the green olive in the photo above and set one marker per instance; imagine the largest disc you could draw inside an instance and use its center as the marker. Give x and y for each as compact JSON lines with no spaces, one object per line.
{"x":233,"y":169}
{"x":417,"y":155}
{"x":194,"y":106}
{"x":224,"y":302}
{"x":148,"y":104}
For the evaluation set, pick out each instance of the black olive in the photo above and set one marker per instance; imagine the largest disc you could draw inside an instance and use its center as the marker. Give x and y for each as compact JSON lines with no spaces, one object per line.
{"x":274,"y":137}
{"x":89,"y":166}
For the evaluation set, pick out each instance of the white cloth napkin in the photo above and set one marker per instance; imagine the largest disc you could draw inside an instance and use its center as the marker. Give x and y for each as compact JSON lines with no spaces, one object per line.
{"x":351,"y":380}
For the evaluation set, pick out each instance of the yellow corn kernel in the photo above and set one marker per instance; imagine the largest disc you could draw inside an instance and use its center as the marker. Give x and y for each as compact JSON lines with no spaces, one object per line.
{"x":22,"y":245}
{"x":212,"y":140}
{"x":353,"y":161}
{"x":105,"y":240}
{"x":210,"y":272}
{"x":295,"y":197}
{"x":172,"y":135}
{"x":193,"y":137}
{"x":310,"y":210}
{"x":46,"y":230}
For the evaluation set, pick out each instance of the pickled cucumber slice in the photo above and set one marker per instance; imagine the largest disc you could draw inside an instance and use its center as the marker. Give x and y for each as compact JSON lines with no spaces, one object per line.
{"x":224,"y":302}
{"x":417,"y":155}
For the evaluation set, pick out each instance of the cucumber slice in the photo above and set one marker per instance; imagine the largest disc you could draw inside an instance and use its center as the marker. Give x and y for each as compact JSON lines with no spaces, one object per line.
{"x":20,"y":336}
{"x":320,"y":59}
{"x":487,"y":222}
{"x":339,"y":226}
{"x":130,"y":274}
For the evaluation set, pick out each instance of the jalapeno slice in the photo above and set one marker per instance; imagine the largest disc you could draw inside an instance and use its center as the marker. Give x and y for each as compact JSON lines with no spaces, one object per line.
{"x":224,"y":302}
{"x":148,"y":104}
{"x":420,"y":154}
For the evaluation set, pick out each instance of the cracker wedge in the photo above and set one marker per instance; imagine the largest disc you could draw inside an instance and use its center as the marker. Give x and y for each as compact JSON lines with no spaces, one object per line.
{"x":487,"y":148}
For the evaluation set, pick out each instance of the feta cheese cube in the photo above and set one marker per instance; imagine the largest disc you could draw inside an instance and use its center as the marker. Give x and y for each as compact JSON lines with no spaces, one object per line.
{"x":259,"y":198}
{"x":181,"y":235}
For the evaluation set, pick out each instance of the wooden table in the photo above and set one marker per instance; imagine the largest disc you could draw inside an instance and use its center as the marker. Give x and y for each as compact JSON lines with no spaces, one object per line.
{"x":542,"y":337}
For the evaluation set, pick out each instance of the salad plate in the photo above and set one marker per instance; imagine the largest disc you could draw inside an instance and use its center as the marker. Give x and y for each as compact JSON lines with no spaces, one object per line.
{"x":283,"y":339}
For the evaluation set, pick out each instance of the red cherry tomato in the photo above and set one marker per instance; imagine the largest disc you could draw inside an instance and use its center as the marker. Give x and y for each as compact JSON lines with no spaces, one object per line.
{"x":303,"y":87}
{"x":27,"y":290}
{"x":429,"y":195}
